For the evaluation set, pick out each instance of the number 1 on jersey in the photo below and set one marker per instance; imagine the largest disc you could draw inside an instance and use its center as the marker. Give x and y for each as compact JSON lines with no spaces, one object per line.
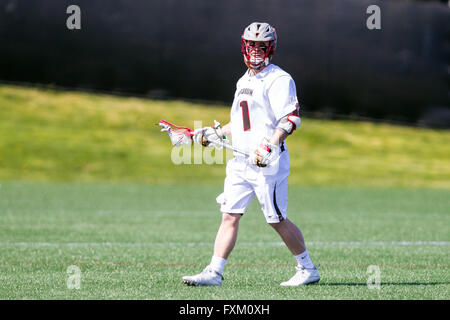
{"x":245,"y":115}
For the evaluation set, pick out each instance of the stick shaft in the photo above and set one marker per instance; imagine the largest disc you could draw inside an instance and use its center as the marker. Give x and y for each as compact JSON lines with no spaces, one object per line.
{"x":230,"y":148}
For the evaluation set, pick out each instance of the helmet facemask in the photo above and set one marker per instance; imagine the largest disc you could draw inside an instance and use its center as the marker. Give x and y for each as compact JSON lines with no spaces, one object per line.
{"x":257,"y":53}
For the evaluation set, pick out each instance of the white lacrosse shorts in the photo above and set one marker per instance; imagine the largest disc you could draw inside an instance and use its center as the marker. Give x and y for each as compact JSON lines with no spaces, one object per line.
{"x":244,"y":181}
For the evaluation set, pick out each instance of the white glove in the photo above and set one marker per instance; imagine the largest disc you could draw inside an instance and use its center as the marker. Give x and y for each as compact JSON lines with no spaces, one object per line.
{"x":206,"y":135}
{"x":264,"y":153}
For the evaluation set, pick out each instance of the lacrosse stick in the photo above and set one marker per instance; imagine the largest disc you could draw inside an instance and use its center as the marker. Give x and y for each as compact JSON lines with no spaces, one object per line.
{"x":183,"y":135}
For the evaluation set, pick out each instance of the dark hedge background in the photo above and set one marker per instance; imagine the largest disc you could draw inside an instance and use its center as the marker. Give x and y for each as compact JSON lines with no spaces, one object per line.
{"x":191,"y":49}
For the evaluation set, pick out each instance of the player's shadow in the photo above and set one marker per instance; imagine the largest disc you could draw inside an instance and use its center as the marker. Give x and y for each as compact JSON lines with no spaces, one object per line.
{"x":384,"y":283}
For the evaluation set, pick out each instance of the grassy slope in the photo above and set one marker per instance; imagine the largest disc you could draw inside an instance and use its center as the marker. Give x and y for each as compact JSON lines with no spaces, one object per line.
{"x":65,"y":136}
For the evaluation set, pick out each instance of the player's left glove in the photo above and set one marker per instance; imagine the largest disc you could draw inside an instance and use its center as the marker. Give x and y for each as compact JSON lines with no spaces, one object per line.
{"x":264,"y":153}
{"x":206,"y":135}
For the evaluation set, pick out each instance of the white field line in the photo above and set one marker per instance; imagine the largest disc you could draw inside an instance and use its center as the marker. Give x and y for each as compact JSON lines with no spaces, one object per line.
{"x":195,"y":244}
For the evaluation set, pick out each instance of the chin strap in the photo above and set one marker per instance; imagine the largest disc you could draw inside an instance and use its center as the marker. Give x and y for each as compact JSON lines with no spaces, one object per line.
{"x":265,"y":63}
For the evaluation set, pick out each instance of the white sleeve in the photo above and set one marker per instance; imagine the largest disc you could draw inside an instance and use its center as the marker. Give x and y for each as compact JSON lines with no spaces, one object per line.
{"x":283,"y":96}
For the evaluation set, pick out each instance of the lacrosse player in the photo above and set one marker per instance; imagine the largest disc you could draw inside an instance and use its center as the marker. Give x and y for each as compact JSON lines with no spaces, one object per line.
{"x":264,"y":113}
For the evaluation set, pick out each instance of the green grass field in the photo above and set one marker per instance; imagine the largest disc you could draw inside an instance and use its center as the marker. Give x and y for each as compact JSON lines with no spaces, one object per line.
{"x":136,"y":242}
{"x":87,"y":180}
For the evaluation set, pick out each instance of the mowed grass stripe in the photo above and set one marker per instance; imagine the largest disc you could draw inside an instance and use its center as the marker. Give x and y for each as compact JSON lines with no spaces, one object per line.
{"x":200,"y":244}
{"x":200,"y":265}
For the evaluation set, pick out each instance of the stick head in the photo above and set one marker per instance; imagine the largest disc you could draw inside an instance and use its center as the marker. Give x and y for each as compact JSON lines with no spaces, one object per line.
{"x":178,"y":135}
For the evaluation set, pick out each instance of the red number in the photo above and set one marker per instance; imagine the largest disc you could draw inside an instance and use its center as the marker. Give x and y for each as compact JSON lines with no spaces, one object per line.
{"x":245,"y":115}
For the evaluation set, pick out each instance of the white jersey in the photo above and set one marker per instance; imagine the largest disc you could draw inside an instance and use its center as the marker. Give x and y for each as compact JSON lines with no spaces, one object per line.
{"x":260,"y":102}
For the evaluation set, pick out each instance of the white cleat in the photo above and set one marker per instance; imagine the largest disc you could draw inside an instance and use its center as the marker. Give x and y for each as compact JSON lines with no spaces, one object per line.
{"x":303,"y":277}
{"x":208,"y":277}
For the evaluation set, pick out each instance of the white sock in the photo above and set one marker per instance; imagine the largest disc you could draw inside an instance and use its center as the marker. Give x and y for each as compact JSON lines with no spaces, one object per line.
{"x":304,"y":260}
{"x":217,"y":264}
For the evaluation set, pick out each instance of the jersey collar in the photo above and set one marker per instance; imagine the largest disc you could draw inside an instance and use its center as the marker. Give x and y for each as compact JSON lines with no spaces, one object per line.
{"x":260,"y":74}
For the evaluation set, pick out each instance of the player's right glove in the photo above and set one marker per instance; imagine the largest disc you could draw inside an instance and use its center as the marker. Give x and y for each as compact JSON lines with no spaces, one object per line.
{"x":206,"y":135}
{"x":263,"y":154}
